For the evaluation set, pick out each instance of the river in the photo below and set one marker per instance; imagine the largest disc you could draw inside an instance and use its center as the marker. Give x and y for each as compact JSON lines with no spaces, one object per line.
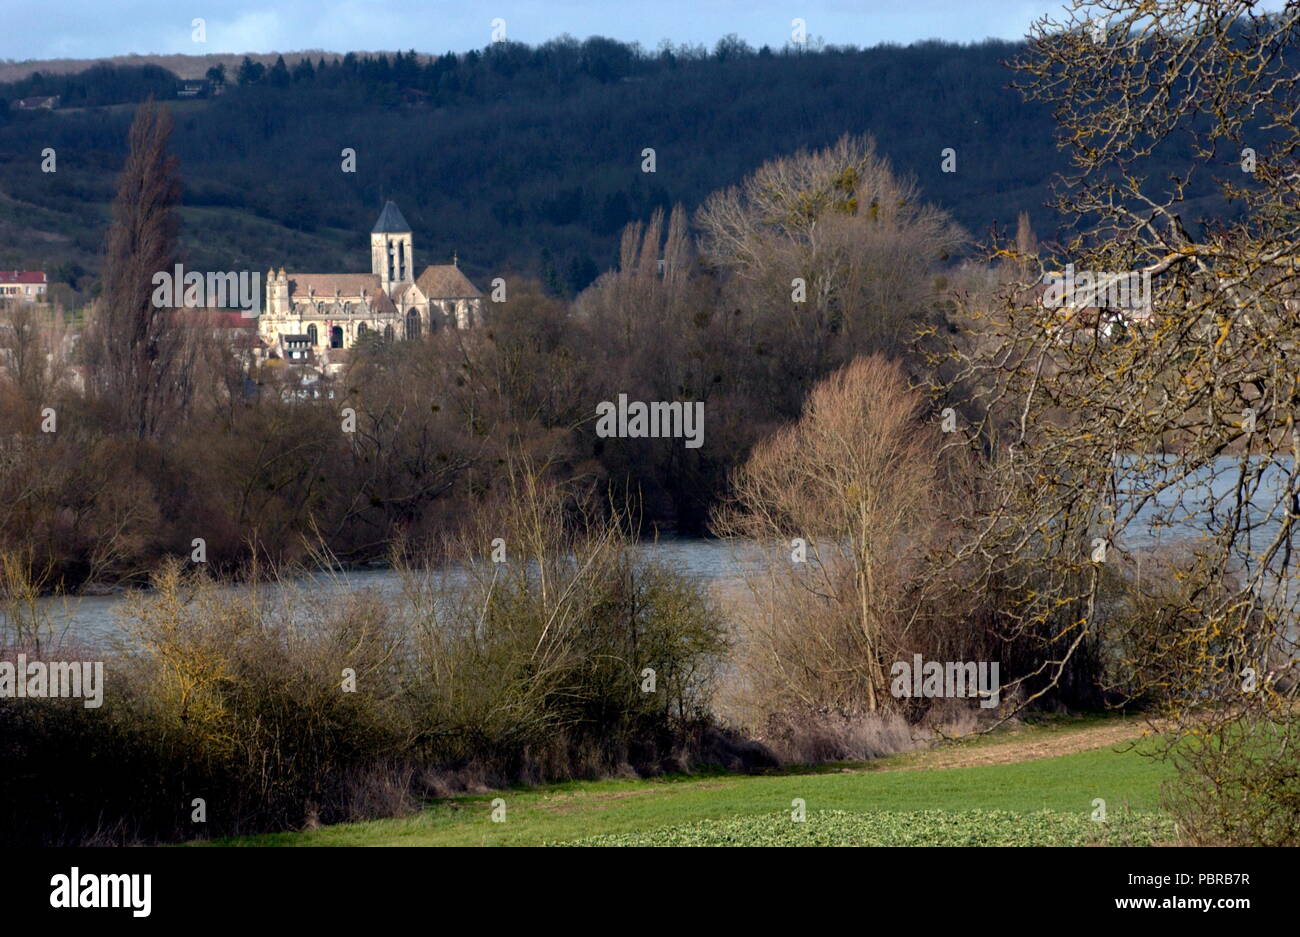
{"x":91,"y":619}
{"x":1176,"y":514}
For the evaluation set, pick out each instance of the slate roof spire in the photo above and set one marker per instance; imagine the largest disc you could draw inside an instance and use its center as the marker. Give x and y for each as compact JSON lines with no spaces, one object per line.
{"x":391,"y":221}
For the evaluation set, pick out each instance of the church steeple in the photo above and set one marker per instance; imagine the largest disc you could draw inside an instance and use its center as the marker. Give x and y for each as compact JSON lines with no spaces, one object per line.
{"x":391,"y":221}
{"x":390,"y":248}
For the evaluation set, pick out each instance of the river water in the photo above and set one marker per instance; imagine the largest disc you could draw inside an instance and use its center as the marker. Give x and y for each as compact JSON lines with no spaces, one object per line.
{"x":92,"y":619}
{"x":1179,"y":512}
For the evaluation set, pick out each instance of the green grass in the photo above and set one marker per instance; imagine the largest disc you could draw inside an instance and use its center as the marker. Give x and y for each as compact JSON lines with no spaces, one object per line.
{"x":919,"y":828}
{"x":858,"y":801}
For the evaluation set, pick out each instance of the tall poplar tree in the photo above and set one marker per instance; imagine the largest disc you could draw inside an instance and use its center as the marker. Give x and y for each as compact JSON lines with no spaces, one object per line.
{"x":135,"y":345}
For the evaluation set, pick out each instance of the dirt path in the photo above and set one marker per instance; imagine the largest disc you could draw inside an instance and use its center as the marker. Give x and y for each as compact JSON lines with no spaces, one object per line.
{"x":1024,"y":744}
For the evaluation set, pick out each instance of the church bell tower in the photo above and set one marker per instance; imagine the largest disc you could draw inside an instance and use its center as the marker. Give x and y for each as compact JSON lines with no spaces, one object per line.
{"x":390,"y":248}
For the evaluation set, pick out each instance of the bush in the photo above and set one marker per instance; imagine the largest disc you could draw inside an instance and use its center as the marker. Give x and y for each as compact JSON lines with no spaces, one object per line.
{"x":228,"y":697}
{"x":854,"y":486}
{"x":1239,"y":784}
{"x":535,"y":668}
{"x":573,"y":657}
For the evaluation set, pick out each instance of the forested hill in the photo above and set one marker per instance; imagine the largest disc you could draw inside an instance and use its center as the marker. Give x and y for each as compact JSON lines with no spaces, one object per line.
{"x":518,"y":158}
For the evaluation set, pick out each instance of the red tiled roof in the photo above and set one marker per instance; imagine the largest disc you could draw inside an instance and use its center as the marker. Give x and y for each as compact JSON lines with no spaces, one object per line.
{"x":22,"y":276}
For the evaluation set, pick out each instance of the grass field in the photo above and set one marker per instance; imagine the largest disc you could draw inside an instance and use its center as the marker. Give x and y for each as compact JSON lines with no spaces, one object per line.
{"x":1011,"y":789}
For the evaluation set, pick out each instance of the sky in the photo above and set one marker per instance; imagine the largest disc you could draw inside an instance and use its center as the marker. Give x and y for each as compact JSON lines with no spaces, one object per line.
{"x":103,"y":28}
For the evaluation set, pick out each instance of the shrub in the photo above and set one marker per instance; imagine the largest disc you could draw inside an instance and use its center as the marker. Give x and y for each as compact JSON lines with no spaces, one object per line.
{"x":535,"y":668}
{"x":1238,"y":784}
{"x":575,"y":656}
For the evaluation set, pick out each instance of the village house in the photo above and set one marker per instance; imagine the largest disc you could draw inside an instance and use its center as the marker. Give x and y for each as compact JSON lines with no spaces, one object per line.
{"x":26,"y":285}
{"x":331,"y":312}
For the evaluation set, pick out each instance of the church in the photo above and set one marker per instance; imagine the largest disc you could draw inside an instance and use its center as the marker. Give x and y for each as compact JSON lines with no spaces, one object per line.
{"x":312,"y":317}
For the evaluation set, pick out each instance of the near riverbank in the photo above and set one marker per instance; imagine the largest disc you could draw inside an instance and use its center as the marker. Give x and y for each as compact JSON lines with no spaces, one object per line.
{"x":1027,"y":785}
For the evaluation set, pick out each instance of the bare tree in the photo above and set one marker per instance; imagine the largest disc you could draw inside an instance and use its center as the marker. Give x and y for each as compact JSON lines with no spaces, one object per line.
{"x":137,"y":350}
{"x":1154,"y":391}
{"x":854,"y":483}
{"x":33,"y":345}
{"x":638,"y":301}
{"x":835,"y":245}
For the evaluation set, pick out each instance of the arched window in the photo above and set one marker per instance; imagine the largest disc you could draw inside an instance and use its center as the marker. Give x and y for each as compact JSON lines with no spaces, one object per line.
{"x":311,"y":334}
{"x":336,"y":337}
{"x":361,"y":330}
{"x":388,"y":333}
{"x":412,"y":324}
